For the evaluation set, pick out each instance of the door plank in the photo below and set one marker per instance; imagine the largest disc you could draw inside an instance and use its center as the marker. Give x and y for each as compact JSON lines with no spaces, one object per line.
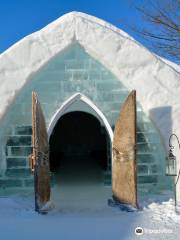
{"x":40,"y":156}
{"x":124,"y":180}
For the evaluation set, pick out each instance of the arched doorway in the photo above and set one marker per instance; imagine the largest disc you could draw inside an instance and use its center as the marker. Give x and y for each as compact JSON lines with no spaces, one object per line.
{"x":88,"y":151}
{"x":79,"y":151}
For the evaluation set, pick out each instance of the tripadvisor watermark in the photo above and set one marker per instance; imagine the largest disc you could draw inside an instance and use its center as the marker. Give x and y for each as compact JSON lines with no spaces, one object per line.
{"x":140,"y":231}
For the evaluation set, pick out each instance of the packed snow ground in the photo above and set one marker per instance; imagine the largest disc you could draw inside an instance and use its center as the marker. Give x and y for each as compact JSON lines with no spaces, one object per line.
{"x":83,"y":213}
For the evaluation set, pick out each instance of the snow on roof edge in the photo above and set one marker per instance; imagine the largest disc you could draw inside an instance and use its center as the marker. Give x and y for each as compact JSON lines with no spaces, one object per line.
{"x":75,"y":14}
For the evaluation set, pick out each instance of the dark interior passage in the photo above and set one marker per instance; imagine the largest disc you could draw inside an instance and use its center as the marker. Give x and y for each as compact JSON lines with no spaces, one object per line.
{"x":78,"y":148}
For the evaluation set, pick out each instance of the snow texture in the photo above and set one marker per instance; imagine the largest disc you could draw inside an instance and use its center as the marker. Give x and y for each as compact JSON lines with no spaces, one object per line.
{"x":156,"y":80}
{"x":86,"y":215}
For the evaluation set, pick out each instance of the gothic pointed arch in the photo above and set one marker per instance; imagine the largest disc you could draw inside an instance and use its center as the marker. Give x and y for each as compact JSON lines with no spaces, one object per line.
{"x":74,"y":98}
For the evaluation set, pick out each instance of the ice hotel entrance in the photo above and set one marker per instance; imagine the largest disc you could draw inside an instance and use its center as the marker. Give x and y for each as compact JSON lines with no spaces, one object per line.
{"x":73,"y":81}
{"x":79,"y":152}
{"x":83,"y":71}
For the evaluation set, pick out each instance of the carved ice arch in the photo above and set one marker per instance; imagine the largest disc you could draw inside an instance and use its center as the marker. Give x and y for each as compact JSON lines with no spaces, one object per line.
{"x":69,"y":102}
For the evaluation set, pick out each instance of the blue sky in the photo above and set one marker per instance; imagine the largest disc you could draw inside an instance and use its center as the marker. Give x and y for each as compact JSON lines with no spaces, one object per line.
{"x":19,"y":18}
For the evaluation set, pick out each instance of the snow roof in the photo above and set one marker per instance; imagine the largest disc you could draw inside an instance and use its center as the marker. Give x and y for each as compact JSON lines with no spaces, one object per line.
{"x":156,"y":80}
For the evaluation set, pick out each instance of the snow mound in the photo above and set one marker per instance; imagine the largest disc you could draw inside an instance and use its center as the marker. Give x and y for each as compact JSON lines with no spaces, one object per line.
{"x":157,"y":81}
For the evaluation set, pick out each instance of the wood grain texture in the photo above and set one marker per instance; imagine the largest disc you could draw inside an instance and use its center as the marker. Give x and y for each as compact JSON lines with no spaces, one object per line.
{"x":40,"y":156}
{"x":124,"y":182}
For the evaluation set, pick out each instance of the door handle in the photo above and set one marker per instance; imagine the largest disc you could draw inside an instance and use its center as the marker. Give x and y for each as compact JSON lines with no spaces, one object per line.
{"x":31,"y":162}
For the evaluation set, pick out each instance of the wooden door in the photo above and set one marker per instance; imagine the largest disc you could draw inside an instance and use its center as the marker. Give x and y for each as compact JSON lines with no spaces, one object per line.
{"x":124,"y":182}
{"x":40,"y":157}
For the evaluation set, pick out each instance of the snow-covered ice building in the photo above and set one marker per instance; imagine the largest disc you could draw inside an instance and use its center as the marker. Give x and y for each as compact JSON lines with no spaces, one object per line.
{"x":82,"y":69}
